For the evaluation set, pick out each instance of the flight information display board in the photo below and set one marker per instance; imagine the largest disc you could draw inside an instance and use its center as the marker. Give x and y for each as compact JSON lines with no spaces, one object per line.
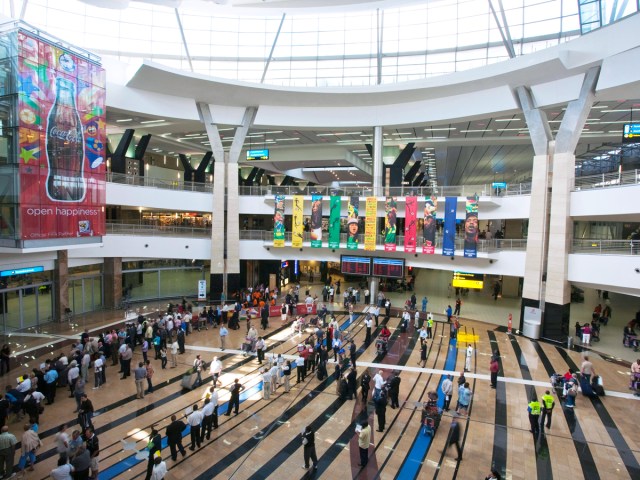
{"x":388,"y":267}
{"x":351,"y":265}
{"x":468,"y":280}
{"x":631,"y":133}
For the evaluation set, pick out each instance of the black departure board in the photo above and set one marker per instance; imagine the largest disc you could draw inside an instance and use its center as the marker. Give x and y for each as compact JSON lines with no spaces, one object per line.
{"x":350,"y":265}
{"x":388,"y":267}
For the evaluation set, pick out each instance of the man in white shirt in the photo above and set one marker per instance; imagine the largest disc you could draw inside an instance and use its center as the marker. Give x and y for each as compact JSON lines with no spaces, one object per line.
{"x":266,"y":384}
{"x":368,"y":323}
{"x":416,"y":320}
{"x":98,"y":365}
{"x":25,"y":385}
{"x":275,"y":376}
{"x":223,"y":336}
{"x":72,"y":376}
{"x":376,"y":314}
{"x":195,"y":420}
{"x":207,"y":421}
{"x":467,"y":363}
{"x":215,"y":369}
{"x":379,"y":382}
{"x":423,"y":333}
{"x":447,"y":390}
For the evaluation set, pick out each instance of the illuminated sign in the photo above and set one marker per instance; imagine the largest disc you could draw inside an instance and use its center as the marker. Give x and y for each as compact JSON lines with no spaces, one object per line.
{"x":631,"y":133}
{"x":388,"y":267}
{"x":499,"y":185}
{"x":21,"y":271}
{"x":258,"y":154}
{"x":351,"y":265}
{"x":468,"y":280}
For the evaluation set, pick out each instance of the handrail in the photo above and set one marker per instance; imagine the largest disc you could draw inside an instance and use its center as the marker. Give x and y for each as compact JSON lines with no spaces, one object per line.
{"x":603,"y":180}
{"x":138,"y":181}
{"x":156,"y":230}
{"x":606,"y":247}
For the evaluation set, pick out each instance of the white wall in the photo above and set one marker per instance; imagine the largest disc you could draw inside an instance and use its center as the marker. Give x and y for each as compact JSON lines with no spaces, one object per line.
{"x":615,"y":271}
{"x":606,"y":202}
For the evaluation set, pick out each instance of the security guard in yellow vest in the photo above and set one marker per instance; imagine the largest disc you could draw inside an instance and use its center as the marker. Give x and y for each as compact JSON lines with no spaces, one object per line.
{"x":429,"y":326}
{"x":547,"y":408}
{"x":534,"y":416}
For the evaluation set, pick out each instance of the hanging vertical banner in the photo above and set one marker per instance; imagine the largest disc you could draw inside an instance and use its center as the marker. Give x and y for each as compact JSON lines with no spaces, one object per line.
{"x":370,"y":221}
{"x":297,"y":230}
{"x":390,"y":224}
{"x":316,"y":221}
{"x":429,"y":228}
{"x":352,"y":222}
{"x":278,"y":222}
{"x":471,"y":228}
{"x":449,"y":235}
{"x":410,"y":224}
{"x":334,"y":221}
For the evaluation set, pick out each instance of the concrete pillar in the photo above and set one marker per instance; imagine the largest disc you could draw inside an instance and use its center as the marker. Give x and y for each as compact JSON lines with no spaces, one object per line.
{"x":378,"y":166}
{"x":112,"y":282}
{"x":374,"y":286}
{"x":61,"y":285}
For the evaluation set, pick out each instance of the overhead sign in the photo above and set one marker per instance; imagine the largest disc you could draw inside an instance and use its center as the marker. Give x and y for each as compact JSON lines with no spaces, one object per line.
{"x":631,"y":133}
{"x":468,"y":280}
{"x":258,"y":154}
{"x":21,"y":271}
{"x":499,"y":185}
{"x":202,"y":289}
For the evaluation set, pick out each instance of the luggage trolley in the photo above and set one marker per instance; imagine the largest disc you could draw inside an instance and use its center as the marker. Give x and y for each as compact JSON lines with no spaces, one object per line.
{"x":431,"y":415}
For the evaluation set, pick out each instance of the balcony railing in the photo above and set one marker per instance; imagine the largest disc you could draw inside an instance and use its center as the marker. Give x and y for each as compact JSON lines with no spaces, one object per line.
{"x":114,"y":228}
{"x":606,"y":247}
{"x":604,"y":180}
{"x":159,"y":183}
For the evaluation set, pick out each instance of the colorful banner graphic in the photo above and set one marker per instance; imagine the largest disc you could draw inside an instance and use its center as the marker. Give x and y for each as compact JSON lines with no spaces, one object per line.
{"x":471,"y":228}
{"x":316,"y":221}
{"x":390,"y":224}
{"x":62,"y":135}
{"x":410,"y":224}
{"x":449,"y":231}
{"x":353,"y":226}
{"x":334,"y":221}
{"x":370,"y":222}
{"x":297,"y":229}
{"x":278,"y":222}
{"x":429,"y":226}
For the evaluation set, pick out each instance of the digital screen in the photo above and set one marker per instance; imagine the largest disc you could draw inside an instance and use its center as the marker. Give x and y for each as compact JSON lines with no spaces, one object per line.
{"x":21,"y":271}
{"x":258,"y":154}
{"x":499,"y":185}
{"x":468,"y":280}
{"x":388,"y":267}
{"x":631,"y":133}
{"x":350,"y":265}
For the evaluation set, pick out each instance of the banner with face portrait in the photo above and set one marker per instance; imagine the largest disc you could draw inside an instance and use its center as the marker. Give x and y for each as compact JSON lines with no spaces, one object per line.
{"x":334,"y":221}
{"x":429,"y":227}
{"x":370,"y":223}
{"x":352,"y":222}
{"x":449,"y":231}
{"x":278,"y":222}
{"x":410,"y":224}
{"x":471,"y":228}
{"x":297,"y":229}
{"x":390,"y":224}
{"x":316,"y":221}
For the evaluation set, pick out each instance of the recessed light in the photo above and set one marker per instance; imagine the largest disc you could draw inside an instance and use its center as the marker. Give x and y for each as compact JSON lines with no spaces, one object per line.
{"x":153,"y":121}
{"x":125,"y":120}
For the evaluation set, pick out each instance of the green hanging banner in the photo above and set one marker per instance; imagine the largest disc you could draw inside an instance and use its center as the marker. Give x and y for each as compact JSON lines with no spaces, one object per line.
{"x":334,"y":221}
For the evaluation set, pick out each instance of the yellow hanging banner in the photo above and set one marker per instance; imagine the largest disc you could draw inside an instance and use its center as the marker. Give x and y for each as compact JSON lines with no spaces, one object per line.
{"x":298,"y":226}
{"x":370,"y":223}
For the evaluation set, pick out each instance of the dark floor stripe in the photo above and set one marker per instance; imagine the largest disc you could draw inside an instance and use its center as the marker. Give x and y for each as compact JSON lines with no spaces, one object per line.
{"x":587,"y":463}
{"x":543,"y":460}
{"x":627,"y":456}
{"x":500,"y":447}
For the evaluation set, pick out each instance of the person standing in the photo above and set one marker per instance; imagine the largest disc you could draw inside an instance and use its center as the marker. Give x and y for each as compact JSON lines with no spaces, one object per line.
{"x":454,"y":437}
{"x":7,"y":452}
{"x":365,"y":383}
{"x":155,"y":445}
{"x":467,"y":362}
{"x":494,"y":367}
{"x":534,"y":416}
{"x":456,"y":311}
{"x":223,"y":336}
{"x":150,"y":373}
{"x":174,"y":353}
{"x":464,"y":398}
{"x":215,"y":369}
{"x":429,"y":325}
{"x":159,"y":469}
{"x":416,"y":320}
{"x":352,"y":383}
{"x":309,"y":448}
{"x":394,"y":390}
{"x":195,"y":421}
{"x":260,"y":348}
{"x":234,"y":401}
{"x":125,"y":357}
{"x":139,"y":375}
{"x":266,"y":383}
{"x":378,"y":383}
{"x":423,"y":353}
{"x":286,"y":374}
{"x":207,"y":419}
{"x":586,"y":369}
{"x":174,"y":437}
{"x":448,"y":312}
{"x":198,"y":365}
{"x":547,"y":408}
{"x":352,"y":353}
{"x":5,"y":359}
{"x":424,"y":304}
{"x":367,"y":324}
{"x":381,"y":409}
{"x":364,"y":439}
{"x":98,"y":365}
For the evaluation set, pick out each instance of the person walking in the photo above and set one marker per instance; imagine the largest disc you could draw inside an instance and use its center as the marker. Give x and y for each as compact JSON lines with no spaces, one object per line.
{"x":223,"y":336}
{"x":534,"y":416}
{"x":139,"y":375}
{"x":494,"y":367}
{"x":454,"y":437}
{"x":547,"y":408}
{"x":464,"y":398}
{"x":174,"y":437}
{"x":8,"y":443}
{"x":364,"y":439}
{"x":198,"y":365}
{"x":448,"y":312}
{"x":215,"y":369}
{"x":309,"y":448}
{"x":447,"y":390}
{"x":234,"y":401}
{"x":195,"y":421}
{"x":149,"y":376}
{"x":155,"y":445}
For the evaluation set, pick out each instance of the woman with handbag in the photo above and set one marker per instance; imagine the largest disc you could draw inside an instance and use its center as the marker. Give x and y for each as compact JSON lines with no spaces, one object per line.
{"x":30,"y":443}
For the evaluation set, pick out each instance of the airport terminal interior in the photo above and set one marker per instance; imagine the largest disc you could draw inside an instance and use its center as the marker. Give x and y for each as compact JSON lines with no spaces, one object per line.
{"x":389,"y":239}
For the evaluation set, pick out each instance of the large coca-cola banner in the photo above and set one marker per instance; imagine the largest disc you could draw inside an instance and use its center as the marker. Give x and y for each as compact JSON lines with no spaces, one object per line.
{"x":62,"y":128}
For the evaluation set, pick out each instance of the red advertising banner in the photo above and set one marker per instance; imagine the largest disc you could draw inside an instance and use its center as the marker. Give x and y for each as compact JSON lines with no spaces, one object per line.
{"x":62,"y":135}
{"x":275,"y":310}
{"x":410,"y":224}
{"x":304,"y":309}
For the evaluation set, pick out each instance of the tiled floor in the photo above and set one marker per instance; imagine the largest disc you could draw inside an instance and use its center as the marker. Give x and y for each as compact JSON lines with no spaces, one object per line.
{"x":263,"y":441}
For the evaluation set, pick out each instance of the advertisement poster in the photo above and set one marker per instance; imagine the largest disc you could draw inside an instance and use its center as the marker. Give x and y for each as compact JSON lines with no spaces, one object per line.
{"x":316,"y":221}
{"x":353,"y":222}
{"x":370,"y":221}
{"x":202,"y":289}
{"x":471,"y":228}
{"x":449,"y":232}
{"x":334,"y":221}
{"x":429,"y":227}
{"x":278,"y":222}
{"x":297,"y":229}
{"x":62,"y":135}
{"x":410,"y":224}
{"x":390,"y":224}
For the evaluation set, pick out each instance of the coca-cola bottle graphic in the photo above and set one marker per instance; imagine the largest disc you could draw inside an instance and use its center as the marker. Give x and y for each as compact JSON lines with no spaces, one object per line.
{"x":65,"y":149}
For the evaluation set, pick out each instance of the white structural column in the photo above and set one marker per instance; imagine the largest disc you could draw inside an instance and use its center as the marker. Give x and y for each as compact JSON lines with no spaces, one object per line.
{"x":374,"y":284}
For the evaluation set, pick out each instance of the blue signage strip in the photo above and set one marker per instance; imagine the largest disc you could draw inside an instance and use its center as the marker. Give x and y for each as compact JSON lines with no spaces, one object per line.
{"x":21,"y":271}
